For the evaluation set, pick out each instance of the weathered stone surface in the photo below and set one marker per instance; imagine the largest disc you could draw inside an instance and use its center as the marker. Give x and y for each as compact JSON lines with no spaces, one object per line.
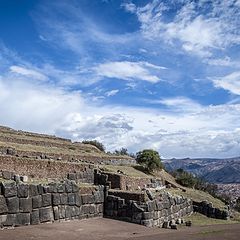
{"x":53,"y":188}
{"x":22,"y":219}
{"x":62,"y":211}
{"x":78,"y":199}
{"x":68,"y":212}
{"x":3,"y":205}
{"x":147,"y":223}
{"x":45,"y":214}
{"x":63,"y":198}
{"x":61,"y":188}
{"x":7,"y":175}
{"x":9,"y":189}
{"x":46,"y":199}
{"x":68,"y":187}
{"x":13,"y":204}
{"x":25,"y":205}
{"x":56,"y":199}
{"x":56,"y":213}
{"x":37,"y":201}
{"x":34,"y":217}
{"x":75,"y":188}
{"x":10,"y":221}
{"x":71,"y":199}
{"x":40,"y":189}
{"x":33,"y":190}
{"x":3,"y":219}
{"x":23,"y":190}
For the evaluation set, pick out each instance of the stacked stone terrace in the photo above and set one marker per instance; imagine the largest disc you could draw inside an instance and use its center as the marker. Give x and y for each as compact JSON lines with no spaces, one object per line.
{"x":46,"y":178}
{"x":41,"y":146}
{"x":25,"y":204}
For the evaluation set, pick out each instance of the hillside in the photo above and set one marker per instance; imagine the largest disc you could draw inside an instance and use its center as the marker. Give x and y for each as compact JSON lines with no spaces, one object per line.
{"x":212,"y":170}
{"x":42,"y":146}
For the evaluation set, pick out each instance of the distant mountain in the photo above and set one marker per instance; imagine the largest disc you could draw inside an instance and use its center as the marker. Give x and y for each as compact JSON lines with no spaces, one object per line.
{"x":212,"y":170}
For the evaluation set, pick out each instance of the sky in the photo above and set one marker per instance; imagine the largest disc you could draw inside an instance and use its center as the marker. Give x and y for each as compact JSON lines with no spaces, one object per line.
{"x":136,"y":74}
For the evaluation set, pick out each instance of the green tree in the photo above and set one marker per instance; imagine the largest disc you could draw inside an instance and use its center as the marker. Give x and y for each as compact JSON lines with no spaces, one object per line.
{"x":150,"y":159}
{"x":95,"y":143}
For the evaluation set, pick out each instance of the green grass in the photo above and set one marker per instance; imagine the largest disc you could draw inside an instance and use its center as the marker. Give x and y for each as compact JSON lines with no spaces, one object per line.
{"x":202,"y":220}
{"x":198,"y":196}
{"x":127,"y":170}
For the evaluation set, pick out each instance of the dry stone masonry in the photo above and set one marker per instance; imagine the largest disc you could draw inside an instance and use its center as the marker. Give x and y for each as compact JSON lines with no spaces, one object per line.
{"x":150,"y":213}
{"x":25,"y":204}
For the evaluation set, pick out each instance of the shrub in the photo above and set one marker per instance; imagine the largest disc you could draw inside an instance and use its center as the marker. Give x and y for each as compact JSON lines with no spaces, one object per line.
{"x":150,"y":159}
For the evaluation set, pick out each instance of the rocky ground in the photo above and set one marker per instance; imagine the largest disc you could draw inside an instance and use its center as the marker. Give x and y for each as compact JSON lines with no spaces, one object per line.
{"x":99,"y":229}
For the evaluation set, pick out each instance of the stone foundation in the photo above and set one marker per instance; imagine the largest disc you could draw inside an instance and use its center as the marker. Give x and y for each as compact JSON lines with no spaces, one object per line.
{"x":151,"y":213}
{"x":26,"y":204}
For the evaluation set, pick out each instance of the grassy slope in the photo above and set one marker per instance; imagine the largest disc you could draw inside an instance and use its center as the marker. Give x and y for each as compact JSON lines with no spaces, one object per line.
{"x":201,"y":220}
{"x":198,"y":196}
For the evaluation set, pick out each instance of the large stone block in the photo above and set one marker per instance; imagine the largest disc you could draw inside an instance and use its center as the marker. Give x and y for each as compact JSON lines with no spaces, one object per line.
{"x":34,"y":217}
{"x":3,"y":205}
{"x":71,"y":199}
{"x":10,"y":221}
{"x":46,"y":214}
{"x":22,"y":219}
{"x":23,"y":190}
{"x":56,"y":213}
{"x":53,"y":187}
{"x":25,"y":205}
{"x":78,"y":199}
{"x":63,"y":198}
{"x":150,"y":206}
{"x":33,"y":190}
{"x":3,"y":219}
{"x":68,"y":212}
{"x":62,"y":211}
{"x":9,"y":189}
{"x":37,"y":201}
{"x":13,"y":204}
{"x":75,"y":187}
{"x":61,"y":188}
{"x":68,"y":186}
{"x":147,"y":223}
{"x":56,"y":199}
{"x":46,"y":199}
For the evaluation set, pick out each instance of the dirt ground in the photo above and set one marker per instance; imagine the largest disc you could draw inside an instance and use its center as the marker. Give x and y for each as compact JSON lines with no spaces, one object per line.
{"x":107,"y":229}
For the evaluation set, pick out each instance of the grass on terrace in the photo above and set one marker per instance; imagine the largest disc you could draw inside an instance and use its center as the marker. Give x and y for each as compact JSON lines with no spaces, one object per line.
{"x":202,"y":220}
{"x":198,"y":196}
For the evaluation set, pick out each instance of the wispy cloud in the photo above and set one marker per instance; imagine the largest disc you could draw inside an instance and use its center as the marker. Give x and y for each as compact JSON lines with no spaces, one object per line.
{"x":129,"y":71}
{"x":229,"y":82}
{"x":199,"y":27}
{"x":28,"y":72}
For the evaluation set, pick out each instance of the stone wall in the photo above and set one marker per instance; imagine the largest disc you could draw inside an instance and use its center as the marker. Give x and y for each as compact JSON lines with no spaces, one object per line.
{"x":25,"y":204}
{"x":42,"y":169}
{"x":207,"y":209}
{"x":151,"y":213}
{"x":127,"y":183}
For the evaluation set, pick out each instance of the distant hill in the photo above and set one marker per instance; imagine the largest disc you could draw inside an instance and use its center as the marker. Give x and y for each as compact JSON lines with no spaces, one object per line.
{"x":212,"y":170}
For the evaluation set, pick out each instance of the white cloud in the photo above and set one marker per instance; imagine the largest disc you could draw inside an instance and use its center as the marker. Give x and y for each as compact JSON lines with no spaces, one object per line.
{"x":128,"y":71}
{"x":28,"y":72}
{"x":198,"y":27}
{"x":179,"y":131}
{"x":112,"y":92}
{"x":230,"y":82}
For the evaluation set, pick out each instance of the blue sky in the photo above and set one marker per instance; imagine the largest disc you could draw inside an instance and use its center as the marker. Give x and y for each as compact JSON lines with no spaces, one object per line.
{"x":135,"y":74}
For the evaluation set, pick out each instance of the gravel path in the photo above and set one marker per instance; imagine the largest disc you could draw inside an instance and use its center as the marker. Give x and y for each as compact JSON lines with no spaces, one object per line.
{"x":107,"y":229}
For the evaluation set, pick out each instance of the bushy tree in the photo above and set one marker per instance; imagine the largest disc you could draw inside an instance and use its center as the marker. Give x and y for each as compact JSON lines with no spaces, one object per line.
{"x":95,"y":143}
{"x":150,"y":159}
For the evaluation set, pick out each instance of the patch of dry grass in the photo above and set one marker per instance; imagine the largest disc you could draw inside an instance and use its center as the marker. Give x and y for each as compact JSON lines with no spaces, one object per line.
{"x":198,"y":196}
